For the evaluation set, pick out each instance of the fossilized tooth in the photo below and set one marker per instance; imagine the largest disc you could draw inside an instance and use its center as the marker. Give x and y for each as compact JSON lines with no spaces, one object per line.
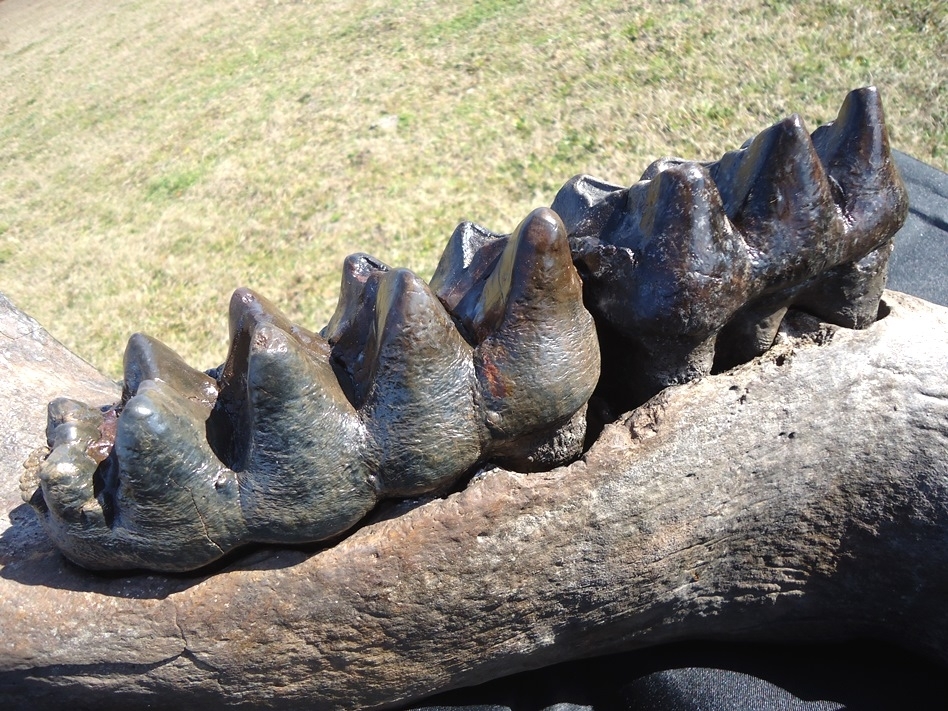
{"x":411,"y":378}
{"x":172,"y":495}
{"x":304,"y":474}
{"x":467,"y":261}
{"x":148,"y":359}
{"x":777,"y":194}
{"x":674,"y":271}
{"x":296,"y":436}
{"x":116,"y":513}
{"x":815,"y":216}
{"x":855,"y":150}
{"x":525,"y":316}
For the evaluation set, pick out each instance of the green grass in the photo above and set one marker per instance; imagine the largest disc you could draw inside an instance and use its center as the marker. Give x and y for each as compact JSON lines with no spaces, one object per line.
{"x":154,"y":156}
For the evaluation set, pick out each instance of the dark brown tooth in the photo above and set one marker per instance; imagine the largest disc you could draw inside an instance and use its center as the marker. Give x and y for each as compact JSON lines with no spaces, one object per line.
{"x":686,"y":272}
{"x":586,"y":205}
{"x":304,"y":475}
{"x":777,"y":193}
{"x":537,"y":357}
{"x":855,"y":150}
{"x":148,"y":359}
{"x":360,"y":275}
{"x":419,"y":405}
{"x":353,"y":323}
{"x":676,"y":264}
{"x":803,"y":221}
{"x":467,"y":261}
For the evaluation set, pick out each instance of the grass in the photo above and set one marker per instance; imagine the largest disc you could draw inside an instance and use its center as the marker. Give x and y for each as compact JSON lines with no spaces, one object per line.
{"x":156,"y":155}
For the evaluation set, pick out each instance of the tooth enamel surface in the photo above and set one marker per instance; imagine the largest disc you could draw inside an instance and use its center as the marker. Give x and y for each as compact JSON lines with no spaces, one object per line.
{"x":692,"y":272}
{"x":410,"y":387}
{"x":299,"y":435}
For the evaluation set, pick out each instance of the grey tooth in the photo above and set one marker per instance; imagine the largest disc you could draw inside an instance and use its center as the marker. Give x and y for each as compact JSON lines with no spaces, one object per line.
{"x":419,"y":406}
{"x":300,"y":434}
{"x":168,"y":477}
{"x":148,"y":359}
{"x":305,"y":476}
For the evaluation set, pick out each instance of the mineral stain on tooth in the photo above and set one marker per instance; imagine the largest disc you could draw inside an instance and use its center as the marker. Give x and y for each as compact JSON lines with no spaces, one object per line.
{"x":298,"y":435}
{"x":411,"y":386}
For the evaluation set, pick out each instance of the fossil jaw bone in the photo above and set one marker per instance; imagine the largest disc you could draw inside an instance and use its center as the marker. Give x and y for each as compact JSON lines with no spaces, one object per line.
{"x":411,"y":386}
{"x":693,"y":267}
{"x":298,"y":435}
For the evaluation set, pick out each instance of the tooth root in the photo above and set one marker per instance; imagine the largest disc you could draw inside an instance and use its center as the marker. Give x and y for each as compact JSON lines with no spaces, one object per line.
{"x":467,"y":260}
{"x":537,"y":359}
{"x":586,"y":204}
{"x":777,"y":193}
{"x":749,"y":333}
{"x":849,"y":294}
{"x":855,"y":150}
{"x":304,"y":477}
{"x":181,"y":503}
{"x":419,"y":406}
{"x":148,"y":359}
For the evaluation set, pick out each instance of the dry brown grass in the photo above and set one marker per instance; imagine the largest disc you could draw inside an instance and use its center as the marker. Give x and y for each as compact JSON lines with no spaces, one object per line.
{"x":156,"y":155}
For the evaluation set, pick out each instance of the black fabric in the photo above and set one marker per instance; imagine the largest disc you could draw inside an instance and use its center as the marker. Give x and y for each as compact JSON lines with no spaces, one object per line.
{"x":918,"y":263}
{"x":695,"y":688}
{"x":707,"y":676}
{"x":699,"y":676}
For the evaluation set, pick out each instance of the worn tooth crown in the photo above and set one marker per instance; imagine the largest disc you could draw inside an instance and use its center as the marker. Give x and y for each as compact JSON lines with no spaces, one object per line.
{"x":787,"y":220}
{"x":304,"y":442}
{"x":420,"y":392}
{"x":297,"y":435}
